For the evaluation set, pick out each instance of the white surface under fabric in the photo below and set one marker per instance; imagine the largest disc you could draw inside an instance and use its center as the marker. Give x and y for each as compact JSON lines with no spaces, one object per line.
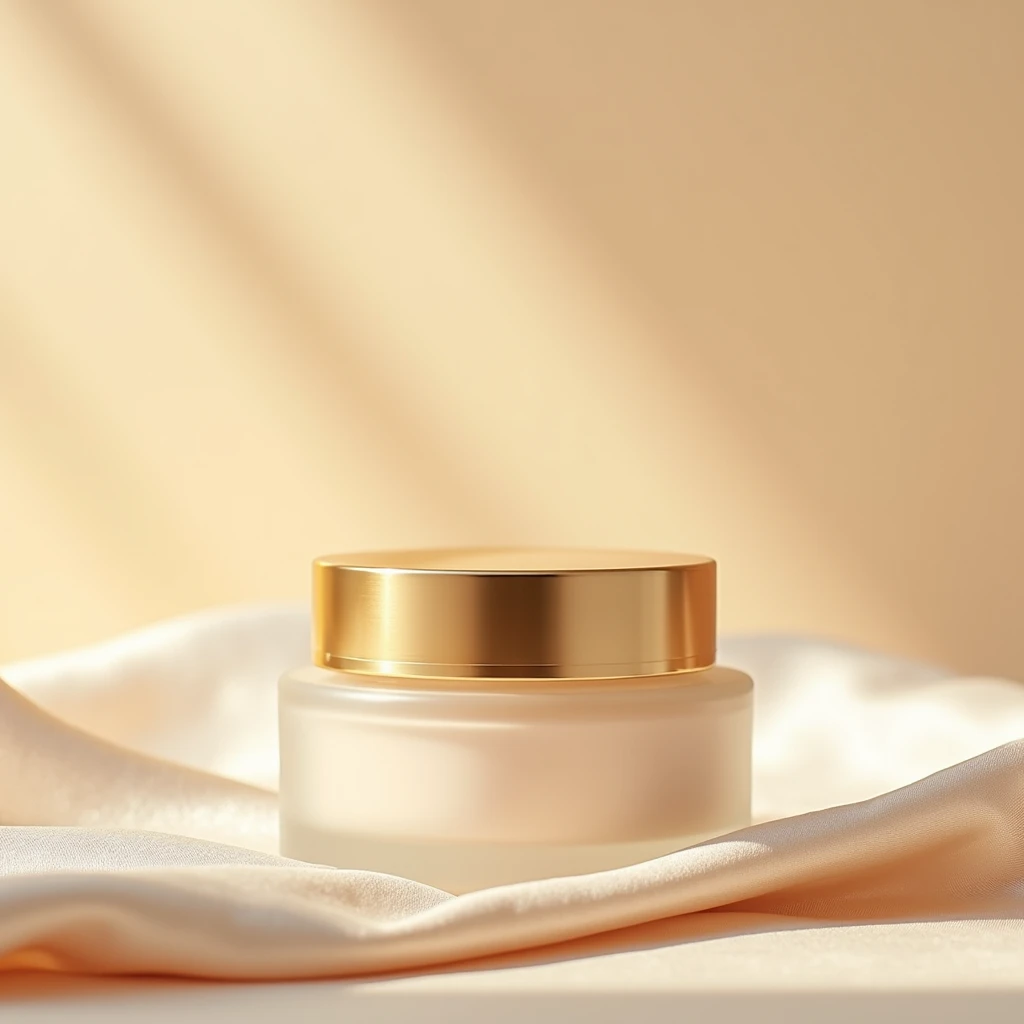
{"x":139,"y":830}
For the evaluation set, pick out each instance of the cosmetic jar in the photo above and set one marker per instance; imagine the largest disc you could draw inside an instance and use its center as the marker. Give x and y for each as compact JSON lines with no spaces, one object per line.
{"x":477,"y":717}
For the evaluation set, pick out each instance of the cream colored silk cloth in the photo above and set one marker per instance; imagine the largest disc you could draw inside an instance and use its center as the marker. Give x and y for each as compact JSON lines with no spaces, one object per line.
{"x":139,"y":819}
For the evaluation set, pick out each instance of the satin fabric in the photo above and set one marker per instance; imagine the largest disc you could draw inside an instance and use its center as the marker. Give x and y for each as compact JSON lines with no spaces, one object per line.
{"x":139,"y":819}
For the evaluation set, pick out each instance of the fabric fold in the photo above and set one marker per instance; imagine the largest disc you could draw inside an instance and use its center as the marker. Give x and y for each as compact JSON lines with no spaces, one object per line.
{"x":116,"y":859}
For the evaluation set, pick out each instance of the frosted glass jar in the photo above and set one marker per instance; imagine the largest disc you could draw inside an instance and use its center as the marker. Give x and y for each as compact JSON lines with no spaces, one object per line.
{"x":464,"y":790}
{"x":464,"y":781}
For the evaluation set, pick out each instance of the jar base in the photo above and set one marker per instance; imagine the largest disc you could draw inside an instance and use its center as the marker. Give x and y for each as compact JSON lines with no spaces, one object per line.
{"x":465,"y":867}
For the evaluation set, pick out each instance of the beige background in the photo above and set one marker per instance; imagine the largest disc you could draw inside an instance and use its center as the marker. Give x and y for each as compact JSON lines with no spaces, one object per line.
{"x":724,"y":275}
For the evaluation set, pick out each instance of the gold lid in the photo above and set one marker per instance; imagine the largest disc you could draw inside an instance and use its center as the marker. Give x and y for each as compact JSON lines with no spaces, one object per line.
{"x":508,"y":613}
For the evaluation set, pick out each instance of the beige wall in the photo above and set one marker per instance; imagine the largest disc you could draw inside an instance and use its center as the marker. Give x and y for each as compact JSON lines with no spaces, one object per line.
{"x":728,"y":275}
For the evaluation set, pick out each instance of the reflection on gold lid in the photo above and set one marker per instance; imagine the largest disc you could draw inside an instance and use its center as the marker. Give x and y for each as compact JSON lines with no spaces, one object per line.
{"x":514,"y":613}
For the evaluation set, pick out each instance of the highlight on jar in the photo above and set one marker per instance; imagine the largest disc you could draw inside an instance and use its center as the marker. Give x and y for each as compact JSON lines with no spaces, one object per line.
{"x":475,"y":717}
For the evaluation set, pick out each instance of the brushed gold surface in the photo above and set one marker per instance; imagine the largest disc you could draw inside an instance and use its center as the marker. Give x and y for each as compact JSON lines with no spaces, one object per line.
{"x":513,"y":613}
